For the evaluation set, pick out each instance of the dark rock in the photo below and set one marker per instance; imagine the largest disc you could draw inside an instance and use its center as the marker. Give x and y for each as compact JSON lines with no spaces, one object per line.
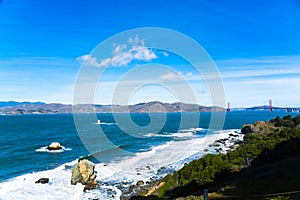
{"x":140,"y":182}
{"x":216,"y":144}
{"x":132,"y":188}
{"x":42,"y":180}
{"x":247,"y":128}
{"x":238,"y":142}
{"x":89,"y":186}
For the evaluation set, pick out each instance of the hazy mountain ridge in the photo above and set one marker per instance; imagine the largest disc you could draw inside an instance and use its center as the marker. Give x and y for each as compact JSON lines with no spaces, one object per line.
{"x":154,"y":107}
{"x":15,"y":103}
{"x":265,"y":107}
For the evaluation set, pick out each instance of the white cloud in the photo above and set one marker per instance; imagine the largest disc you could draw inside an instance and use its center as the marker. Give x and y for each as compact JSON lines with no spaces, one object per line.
{"x":119,"y":49}
{"x":136,"y":41}
{"x":176,"y":76}
{"x":122,"y":54}
{"x":165,"y":53}
{"x":89,"y":60}
{"x":171,"y":77}
{"x":189,"y":74}
{"x":260,"y":67}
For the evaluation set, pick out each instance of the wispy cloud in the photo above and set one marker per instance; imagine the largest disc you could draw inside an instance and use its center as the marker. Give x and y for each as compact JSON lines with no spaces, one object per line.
{"x":171,"y":76}
{"x":260,"y":67}
{"x":48,"y":79}
{"x":122,"y":54}
{"x":253,"y":81}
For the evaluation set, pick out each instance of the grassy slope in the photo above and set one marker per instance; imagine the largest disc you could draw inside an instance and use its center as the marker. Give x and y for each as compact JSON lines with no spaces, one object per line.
{"x":279,"y":177}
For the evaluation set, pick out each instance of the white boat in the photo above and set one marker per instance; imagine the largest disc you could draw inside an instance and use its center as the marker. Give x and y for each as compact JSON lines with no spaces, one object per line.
{"x":98,"y":122}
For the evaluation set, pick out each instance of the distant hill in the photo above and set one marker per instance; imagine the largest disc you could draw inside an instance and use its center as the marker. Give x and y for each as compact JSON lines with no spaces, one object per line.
{"x":148,"y":107}
{"x":265,"y":107}
{"x":15,"y":103}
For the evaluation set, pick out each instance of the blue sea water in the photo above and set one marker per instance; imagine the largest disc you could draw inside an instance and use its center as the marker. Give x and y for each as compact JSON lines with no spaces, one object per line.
{"x":23,"y":157}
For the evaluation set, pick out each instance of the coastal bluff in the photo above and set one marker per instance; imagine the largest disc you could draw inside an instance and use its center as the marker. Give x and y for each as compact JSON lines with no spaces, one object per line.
{"x":265,"y":165}
{"x":258,"y":127}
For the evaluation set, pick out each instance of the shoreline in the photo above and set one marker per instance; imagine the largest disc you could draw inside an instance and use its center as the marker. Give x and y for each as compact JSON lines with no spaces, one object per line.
{"x":151,"y":183}
{"x":221,"y":143}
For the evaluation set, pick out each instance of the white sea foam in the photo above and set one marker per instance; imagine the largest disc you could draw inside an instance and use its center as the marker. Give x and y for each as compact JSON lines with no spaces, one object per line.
{"x":193,"y":130}
{"x":171,"y":155}
{"x":185,"y":134}
{"x":178,"y":135}
{"x":44,"y":149}
{"x":59,"y":187}
{"x":105,"y":123}
{"x":156,"y":163}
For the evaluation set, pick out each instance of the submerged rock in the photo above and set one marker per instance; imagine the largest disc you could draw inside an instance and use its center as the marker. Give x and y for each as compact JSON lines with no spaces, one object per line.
{"x":54,"y":146}
{"x":42,"y":180}
{"x":84,"y":173}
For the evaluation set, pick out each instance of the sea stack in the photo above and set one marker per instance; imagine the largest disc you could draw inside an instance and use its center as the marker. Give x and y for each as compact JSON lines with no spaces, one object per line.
{"x":84,"y":173}
{"x":54,"y":146}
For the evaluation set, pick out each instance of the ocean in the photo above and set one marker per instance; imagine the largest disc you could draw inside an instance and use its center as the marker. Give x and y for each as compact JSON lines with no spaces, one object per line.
{"x":121,"y":158}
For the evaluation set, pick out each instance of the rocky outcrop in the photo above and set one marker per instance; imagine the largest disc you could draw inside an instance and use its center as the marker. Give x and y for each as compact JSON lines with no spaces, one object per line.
{"x":54,"y":146}
{"x":43,"y":180}
{"x":247,"y":128}
{"x":84,"y":173}
{"x":140,"y":190}
{"x":259,"y":126}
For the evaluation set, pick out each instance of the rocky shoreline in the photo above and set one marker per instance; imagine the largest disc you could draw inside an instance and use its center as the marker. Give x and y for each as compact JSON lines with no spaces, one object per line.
{"x":222,"y":143}
{"x":83,"y":172}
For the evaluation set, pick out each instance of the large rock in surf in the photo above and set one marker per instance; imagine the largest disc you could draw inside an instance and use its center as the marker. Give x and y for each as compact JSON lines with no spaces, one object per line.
{"x":54,"y":146}
{"x":84,"y":173}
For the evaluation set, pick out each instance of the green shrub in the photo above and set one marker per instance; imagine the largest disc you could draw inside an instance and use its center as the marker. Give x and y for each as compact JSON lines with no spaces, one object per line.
{"x":212,"y":170}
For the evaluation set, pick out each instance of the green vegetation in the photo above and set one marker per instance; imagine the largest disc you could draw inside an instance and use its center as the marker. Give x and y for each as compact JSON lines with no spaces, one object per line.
{"x":261,"y":161}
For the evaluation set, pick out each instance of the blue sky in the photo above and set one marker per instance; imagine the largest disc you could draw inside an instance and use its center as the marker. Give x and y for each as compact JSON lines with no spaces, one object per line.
{"x":255,"y":44}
